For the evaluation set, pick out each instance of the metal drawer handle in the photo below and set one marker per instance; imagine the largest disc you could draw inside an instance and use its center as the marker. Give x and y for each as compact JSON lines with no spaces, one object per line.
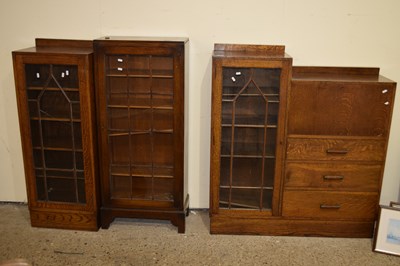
{"x":333,"y":177}
{"x":327,"y":206}
{"x":335,"y":151}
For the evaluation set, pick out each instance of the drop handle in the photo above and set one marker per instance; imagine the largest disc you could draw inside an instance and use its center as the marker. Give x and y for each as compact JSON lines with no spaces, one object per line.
{"x":336,"y":151}
{"x":328,"y":206}
{"x":333,"y":177}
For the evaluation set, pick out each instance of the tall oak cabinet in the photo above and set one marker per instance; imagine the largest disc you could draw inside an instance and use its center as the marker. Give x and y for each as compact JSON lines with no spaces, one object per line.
{"x":140,"y":97}
{"x":249,"y":98}
{"x":55,"y":96}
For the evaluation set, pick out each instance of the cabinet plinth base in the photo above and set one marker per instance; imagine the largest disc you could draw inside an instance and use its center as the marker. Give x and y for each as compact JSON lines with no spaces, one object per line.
{"x":74,"y":220}
{"x":177,"y":217}
{"x":290,"y":227}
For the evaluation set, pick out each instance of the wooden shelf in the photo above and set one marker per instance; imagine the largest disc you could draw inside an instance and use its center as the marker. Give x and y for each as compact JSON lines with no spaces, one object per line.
{"x":244,"y":187}
{"x":35,"y":88}
{"x":140,"y":76}
{"x":248,"y":156}
{"x":231,"y":101}
{"x":140,"y":107}
{"x":57,"y":149}
{"x":118,"y":134}
{"x":249,"y":126}
{"x":55,"y":119}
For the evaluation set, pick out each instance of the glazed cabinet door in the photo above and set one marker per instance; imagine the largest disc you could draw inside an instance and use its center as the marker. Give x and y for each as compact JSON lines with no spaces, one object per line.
{"x":141,"y":111}
{"x":249,"y":101}
{"x":55,"y":97}
{"x":140,"y":127}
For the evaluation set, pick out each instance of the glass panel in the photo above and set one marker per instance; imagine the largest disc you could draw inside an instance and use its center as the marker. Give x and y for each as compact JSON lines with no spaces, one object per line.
{"x":139,"y":85}
{"x":40,"y":188}
{"x":247,"y":172}
{"x":63,"y":190}
{"x":56,"y":134}
{"x":119,"y":148}
{"x":117,"y":65}
{"x":141,"y":149}
{"x":163,"y":189}
{"x":142,"y":188}
{"x":250,"y":105}
{"x":121,"y":186}
{"x":163,"y":149}
{"x":160,"y":100}
{"x":117,"y":118}
{"x":162,"y":66}
{"x":37,"y":75}
{"x":65,"y":76}
{"x":242,"y":198}
{"x":163,"y":120}
{"x":249,"y":141}
{"x":139,"y":65}
{"x":267,"y":199}
{"x":54,"y":109}
{"x":162,"y":85}
{"x":141,"y":120}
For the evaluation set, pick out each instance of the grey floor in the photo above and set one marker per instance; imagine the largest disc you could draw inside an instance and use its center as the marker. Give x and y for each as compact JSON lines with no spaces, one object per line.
{"x":139,"y":242}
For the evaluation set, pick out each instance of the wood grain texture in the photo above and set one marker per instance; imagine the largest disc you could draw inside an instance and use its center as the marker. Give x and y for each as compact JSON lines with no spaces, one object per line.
{"x":77,"y":220}
{"x":335,"y":149}
{"x":339,"y":205}
{"x":251,"y":49}
{"x":338,"y":176}
{"x":340,"y":108}
{"x":290,"y":227}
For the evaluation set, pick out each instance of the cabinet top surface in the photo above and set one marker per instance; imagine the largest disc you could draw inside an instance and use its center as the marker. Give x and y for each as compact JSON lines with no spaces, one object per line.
{"x":249,"y":51}
{"x":55,"y":50}
{"x":143,"y":39}
{"x":338,"y":74}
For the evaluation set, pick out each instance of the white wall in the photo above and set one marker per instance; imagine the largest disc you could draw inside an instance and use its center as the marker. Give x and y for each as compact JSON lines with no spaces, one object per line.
{"x":330,"y":33}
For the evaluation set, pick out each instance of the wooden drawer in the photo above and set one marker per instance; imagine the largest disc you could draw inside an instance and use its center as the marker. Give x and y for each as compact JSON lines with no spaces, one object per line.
{"x":334,"y":205}
{"x":333,"y":175}
{"x":331,"y":149}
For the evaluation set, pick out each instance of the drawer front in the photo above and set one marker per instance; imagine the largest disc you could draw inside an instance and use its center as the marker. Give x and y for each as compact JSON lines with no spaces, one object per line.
{"x":333,"y":175}
{"x":332,"y":149}
{"x":334,"y":205}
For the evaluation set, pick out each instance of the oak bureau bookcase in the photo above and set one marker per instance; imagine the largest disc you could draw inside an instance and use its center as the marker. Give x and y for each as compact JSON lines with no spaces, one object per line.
{"x":295,"y":150}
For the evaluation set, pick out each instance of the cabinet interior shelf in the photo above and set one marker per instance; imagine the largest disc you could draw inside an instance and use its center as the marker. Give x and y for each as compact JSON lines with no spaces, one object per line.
{"x":248,"y":156}
{"x":33,"y":88}
{"x":233,"y":100}
{"x":142,"y":175}
{"x":243,"y":187}
{"x":251,"y":94}
{"x":140,"y":107}
{"x":239,"y":205}
{"x":147,"y":171}
{"x":69,"y":170}
{"x":140,"y":76}
{"x":57,"y":119}
{"x":249,"y":126}
{"x":117,"y":134}
{"x":57,"y":149}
